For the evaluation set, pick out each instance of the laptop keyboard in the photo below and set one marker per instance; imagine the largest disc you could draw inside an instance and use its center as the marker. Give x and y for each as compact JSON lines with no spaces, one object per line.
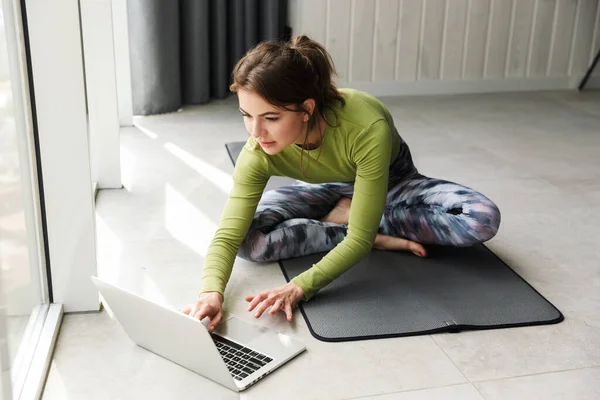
{"x":241,"y":361}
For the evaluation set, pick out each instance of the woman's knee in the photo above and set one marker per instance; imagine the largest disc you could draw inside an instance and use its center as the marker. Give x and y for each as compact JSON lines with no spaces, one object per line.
{"x":253,"y":248}
{"x":488,"y":222}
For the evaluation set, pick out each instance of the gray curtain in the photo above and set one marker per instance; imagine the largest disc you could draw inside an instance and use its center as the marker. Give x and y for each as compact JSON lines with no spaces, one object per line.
{"x":183,"y":51}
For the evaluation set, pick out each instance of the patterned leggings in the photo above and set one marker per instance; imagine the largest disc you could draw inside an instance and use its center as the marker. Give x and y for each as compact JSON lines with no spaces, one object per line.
{"x":425,"y":210}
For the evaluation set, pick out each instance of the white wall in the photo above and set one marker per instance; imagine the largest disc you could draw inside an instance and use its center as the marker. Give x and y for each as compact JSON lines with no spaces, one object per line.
{"x":101,"y":86}
{"x":122,"y":62}
{"x":394,"y":47}
{"x":60,"y":99}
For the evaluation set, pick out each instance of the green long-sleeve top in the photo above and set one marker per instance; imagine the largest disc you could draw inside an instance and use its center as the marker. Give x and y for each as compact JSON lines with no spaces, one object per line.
{"x":359,"y":147}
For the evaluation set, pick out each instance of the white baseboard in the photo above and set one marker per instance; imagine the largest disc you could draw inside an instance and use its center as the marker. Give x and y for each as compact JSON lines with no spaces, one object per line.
{"x":439,"y":87}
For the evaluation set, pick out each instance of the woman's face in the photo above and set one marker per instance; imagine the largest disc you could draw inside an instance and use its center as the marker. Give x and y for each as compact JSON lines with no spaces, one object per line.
{"x":273,"y":128}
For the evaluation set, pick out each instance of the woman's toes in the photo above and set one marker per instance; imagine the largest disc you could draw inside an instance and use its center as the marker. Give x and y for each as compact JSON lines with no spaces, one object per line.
{"x":417,"y":249}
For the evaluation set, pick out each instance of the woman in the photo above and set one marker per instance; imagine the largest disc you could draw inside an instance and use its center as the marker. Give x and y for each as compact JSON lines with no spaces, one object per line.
{"x":357,"y":185}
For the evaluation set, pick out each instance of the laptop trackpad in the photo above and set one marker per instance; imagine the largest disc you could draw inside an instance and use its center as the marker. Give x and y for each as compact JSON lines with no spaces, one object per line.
{"x":241,"y":331}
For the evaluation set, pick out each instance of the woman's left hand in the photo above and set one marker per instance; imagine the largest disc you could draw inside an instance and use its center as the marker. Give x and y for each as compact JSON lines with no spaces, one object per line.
{"x":283,"y":298}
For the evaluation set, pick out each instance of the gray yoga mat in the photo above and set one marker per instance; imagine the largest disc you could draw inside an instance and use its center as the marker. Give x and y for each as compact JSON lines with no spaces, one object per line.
{"x":390,"y":294}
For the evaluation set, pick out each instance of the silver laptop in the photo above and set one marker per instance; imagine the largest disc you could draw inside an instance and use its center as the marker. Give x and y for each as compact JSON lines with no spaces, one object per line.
{"x":235,"y":355}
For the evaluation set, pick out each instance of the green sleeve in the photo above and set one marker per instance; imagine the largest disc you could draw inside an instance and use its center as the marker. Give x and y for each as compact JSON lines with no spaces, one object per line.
{"x":249,"y":180}
{"x":371,"y":153}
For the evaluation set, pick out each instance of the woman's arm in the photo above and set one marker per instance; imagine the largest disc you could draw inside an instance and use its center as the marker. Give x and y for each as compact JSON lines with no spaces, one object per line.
{"x":371,"y":153}
{"x":249,"y":180}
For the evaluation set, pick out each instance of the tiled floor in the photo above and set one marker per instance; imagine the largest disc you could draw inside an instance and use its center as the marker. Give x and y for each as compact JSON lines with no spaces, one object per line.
{"x":537,"y":155}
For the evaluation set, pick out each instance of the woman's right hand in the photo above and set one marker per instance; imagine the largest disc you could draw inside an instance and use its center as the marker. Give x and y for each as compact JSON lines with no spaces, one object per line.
{"x":210,"y":304}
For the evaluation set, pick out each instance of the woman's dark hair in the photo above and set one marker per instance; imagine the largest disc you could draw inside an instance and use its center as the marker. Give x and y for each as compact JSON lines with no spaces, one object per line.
{"x":288,"y":73}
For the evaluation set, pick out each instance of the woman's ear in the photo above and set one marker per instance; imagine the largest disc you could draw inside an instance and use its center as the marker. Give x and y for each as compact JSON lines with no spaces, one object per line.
{"x":309,"y":108}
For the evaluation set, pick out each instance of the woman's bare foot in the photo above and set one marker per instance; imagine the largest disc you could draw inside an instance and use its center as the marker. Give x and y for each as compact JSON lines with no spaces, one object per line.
{"x":385,"y":242}
{"x":340,"y":213}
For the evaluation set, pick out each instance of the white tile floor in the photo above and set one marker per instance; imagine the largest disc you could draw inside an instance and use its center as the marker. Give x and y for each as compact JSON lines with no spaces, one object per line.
{"x":537,"y":155}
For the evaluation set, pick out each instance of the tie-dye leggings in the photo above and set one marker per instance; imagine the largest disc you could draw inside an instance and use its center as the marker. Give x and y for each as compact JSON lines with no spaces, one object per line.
{"x":425,"y":210}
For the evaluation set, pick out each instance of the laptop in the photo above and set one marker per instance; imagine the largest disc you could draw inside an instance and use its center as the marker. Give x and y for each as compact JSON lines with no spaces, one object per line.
{"x":235,"y":355}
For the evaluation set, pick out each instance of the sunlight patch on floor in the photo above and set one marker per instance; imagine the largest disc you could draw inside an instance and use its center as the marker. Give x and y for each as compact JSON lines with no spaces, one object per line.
{"x":220,"y":179}
{"x":186,"y":223}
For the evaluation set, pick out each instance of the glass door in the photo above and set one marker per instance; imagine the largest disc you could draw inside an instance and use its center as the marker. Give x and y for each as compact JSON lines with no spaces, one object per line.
{"x":23,"y":281}
{"x":5,"y":381}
